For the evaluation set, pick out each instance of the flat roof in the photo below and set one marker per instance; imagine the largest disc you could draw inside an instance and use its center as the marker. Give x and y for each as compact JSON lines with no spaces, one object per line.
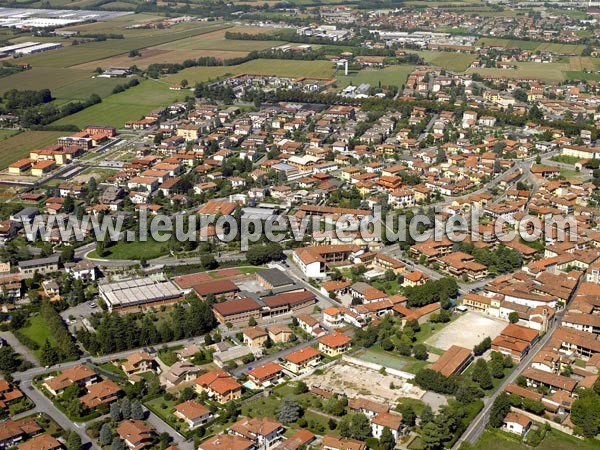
{"x":137,"y":291}
{"x":275,"y":277}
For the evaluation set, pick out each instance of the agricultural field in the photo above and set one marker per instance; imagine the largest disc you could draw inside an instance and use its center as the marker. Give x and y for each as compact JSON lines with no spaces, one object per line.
{"x":456,"y":62}
{"x":279,"y":67}
{"x":388,"y":76}
{"x":555,"y":440}
{"x":132,"y":104}
{"x":18,"y":146}
{"x":6,"y":133}
{"x":550,"y":72}
{"x":530,"y":45}
{"x":44,"y":77}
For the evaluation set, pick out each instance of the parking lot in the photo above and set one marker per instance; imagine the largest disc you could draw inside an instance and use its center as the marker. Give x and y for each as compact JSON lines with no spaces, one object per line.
{"x":467,"y":331}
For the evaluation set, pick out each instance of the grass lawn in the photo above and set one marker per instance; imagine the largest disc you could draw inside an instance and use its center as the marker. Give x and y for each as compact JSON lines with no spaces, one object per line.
{"x":388,"y":76}
{"x":279,"y":67}
{"x":38,"y":331}
{"x":456,"y":62}
{"x":164,"y":409}
{"x":169,"y":355}
{"x":389,"y":287}
{"x":129,"y":105}
{"x":554,"y":440}
{"x":7,"y":132}
{"x":111,"y":368}
{"x":134,"y":251}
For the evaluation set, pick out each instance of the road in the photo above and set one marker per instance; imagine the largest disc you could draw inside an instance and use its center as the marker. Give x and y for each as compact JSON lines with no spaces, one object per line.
{"x":477,"y":426}
{"x":44,"y":405}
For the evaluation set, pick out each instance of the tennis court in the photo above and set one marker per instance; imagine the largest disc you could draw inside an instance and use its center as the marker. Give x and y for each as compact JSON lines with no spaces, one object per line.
{"x":382,"y":359}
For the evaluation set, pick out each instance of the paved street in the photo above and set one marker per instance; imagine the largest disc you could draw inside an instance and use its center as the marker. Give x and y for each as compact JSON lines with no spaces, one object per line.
{"x":43,"y":404}
{"x":477,"y":426}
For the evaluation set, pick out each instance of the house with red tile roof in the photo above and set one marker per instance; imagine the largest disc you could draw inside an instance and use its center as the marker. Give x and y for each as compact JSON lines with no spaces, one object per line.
{"x":219,"y":385}
{"x":334,"y":344}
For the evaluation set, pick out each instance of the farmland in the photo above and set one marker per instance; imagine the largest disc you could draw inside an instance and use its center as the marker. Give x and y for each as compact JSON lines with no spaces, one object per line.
{"x":389,"y":76}
{"x":18,"y":146}
{"x":129,"y":105}
{"x":530,"y":45}
{"x":318,"y":69}
{"x":550,"y":72}
{"x":448,"y":60}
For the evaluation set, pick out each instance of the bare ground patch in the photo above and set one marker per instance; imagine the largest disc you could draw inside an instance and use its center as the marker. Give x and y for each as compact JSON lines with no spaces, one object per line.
{"x":467,"y":331}
{"x":356,"y":381}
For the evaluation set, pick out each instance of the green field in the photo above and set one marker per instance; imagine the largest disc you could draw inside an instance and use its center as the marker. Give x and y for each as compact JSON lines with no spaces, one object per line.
{"x":456,"y":62}
{"x":81,"y":90}
{"x":531,"y":45}
{"x":554,"y":440}
{"x":279,"y":67}
{"x":37,"y":331}
{"x":550,"y":72}
{"x":200,"y":43}
{"x":6,"y":133}
{"x":18,"y":146}
{"x":129,"y":105}
{"x":381,"y":358}
{"x":134,"y":251}
{"x":43,"y":77}
{"x":388,"y":76}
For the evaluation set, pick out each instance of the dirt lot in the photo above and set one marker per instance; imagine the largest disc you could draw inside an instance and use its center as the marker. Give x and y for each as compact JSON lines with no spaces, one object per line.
{"x":356,"y":381}
{"x":467,"y":331}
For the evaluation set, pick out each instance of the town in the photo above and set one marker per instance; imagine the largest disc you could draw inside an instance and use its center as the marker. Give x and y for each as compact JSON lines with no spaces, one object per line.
{"x":148,"y":151}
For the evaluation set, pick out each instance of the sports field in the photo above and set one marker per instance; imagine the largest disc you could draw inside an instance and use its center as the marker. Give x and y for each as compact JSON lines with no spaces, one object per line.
{"x":18,"y":146}
{"x":279,"y":67}
{"x":132,"y":104}
{"x":383,"y":359}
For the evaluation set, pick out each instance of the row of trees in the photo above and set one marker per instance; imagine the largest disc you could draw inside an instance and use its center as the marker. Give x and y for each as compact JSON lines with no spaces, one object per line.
{"x":64,"y":347}
{"x":117,"y":332}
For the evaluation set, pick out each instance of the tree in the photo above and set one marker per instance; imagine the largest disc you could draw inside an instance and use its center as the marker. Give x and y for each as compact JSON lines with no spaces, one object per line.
{"x":48,"y":354}
{"x":409,"y":417}
{"x":137,"y":412}
{"x":208,"y":261}
{"x":481,"y":374}
{"x":301,"y":388}
{"x":126,"y":408}
{"x":513,"y":317}
{"x":499,"y":409}
{"x":420,"y":352}
{"x":289,"y":411}
{"x":106,"y":437}
{"x":432,"y":436}
{"x":426,"y":415}
{"x":117,"y":444}
{"x":360,"y":427}
{"x":73,"y":441}
{"x":252,"y":322}
{"x":386,"y":441}
{"x":115,"y":413}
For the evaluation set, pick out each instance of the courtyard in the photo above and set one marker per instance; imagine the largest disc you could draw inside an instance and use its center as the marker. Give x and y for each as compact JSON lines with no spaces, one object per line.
{"x":466,"y":331}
